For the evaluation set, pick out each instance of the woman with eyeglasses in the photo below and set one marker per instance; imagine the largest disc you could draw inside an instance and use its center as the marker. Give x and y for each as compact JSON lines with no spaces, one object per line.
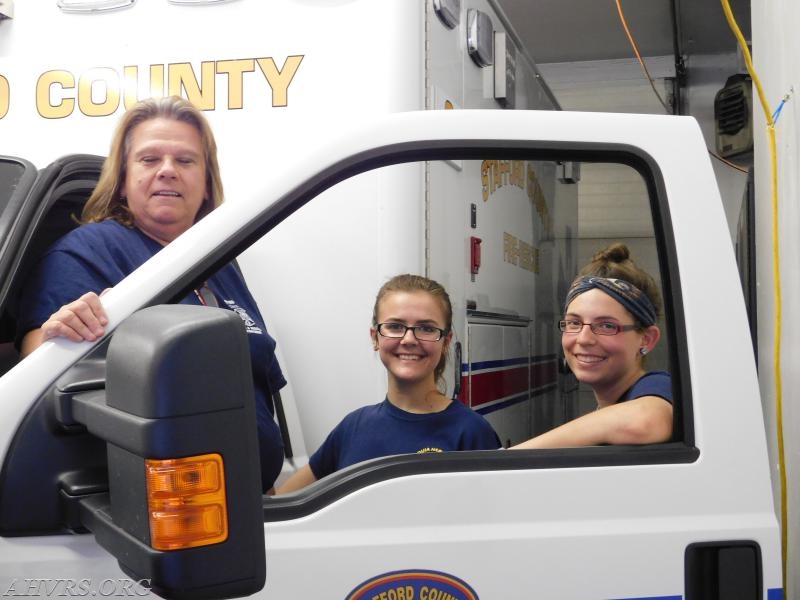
{"x":161,"y":176}
{"x":411,"y":332}
{"x":609,"y":327}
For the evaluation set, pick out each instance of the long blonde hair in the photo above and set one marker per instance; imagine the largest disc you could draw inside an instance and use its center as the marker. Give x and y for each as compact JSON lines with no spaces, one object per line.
{"x":106,"y":201}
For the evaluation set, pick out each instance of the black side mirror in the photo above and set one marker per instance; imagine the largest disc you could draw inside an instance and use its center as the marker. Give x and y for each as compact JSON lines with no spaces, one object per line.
{"x":184,"y":509}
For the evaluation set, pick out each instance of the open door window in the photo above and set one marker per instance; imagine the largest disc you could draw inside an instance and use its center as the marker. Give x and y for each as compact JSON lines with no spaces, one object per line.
{"x":38,"y":207}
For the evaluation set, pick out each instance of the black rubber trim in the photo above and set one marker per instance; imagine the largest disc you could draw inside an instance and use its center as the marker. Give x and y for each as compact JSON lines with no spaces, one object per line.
{"x":344,"y":482}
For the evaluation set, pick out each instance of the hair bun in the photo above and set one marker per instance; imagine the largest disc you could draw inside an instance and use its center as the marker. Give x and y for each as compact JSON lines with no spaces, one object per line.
{"x":616,"y":253}
{"x":615,"y":262}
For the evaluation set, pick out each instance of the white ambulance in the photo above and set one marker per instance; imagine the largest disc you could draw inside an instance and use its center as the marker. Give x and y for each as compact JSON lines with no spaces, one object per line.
{"x":327,"y":196}
{"x":292,"y":71}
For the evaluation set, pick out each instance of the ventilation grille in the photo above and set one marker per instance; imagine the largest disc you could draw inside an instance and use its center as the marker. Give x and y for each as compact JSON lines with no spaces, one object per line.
{"x":730,"y":110}
{"x":732,"y":116}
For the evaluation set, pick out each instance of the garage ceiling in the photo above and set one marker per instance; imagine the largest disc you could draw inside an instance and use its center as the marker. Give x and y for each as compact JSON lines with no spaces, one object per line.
{"x":582,"y":30}
{"x":568,"y":39}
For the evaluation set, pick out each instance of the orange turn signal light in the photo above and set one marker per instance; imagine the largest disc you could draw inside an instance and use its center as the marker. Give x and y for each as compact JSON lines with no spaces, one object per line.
{"x":186,"y":502}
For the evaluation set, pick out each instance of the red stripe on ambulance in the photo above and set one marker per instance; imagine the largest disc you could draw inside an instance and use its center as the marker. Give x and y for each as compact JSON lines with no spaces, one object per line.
{"x":488,"y":384}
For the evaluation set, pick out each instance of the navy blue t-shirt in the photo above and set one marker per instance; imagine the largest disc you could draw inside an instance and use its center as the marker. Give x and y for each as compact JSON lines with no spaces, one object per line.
{"x":384,"y":430}
{"x":654,"y":383}
{"x":97,"y":256}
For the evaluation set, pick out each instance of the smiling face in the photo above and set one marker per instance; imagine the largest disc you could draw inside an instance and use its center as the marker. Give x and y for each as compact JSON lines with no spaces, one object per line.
{"x":408,"y":360}
{"x":610,"y":364}
{"x":165,"y":181}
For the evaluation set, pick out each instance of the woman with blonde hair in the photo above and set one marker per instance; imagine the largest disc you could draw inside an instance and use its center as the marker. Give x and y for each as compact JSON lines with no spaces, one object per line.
{"x":161,"y":176}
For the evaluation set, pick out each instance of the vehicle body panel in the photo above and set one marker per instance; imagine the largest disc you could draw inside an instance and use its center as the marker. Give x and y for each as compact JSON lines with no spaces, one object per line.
{"x":541,"y":516}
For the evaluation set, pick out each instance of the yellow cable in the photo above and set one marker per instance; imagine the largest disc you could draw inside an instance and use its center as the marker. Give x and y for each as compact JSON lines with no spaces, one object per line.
{"x":775,"y":254}
{"x":773,"y":152}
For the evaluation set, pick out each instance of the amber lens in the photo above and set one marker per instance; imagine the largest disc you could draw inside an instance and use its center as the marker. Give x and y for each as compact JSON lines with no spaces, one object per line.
{"x":186,"y":502}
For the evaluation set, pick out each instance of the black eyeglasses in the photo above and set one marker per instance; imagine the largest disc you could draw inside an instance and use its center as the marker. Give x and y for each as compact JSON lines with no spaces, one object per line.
{"x":424,"y":333}
{"x":598,"y":327}
{"x":206,"y":296}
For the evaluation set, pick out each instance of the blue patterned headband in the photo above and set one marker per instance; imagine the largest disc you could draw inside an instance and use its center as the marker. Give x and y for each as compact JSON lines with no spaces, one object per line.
{"x":627,"y":294}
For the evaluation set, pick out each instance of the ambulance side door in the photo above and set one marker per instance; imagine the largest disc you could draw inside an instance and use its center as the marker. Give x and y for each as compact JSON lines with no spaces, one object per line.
{"x":36,"y":208}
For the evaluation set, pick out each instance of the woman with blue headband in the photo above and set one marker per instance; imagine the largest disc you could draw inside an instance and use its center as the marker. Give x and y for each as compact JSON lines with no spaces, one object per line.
{"x":608,"y":328}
